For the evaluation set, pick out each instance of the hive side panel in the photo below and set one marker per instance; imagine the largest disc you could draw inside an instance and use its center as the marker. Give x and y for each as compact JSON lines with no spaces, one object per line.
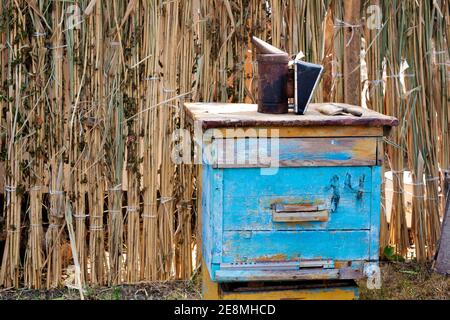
{"x":374,"y":245}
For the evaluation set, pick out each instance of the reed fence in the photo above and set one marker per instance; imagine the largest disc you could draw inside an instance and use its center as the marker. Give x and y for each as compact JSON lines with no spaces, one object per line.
{"x":90,"y":96}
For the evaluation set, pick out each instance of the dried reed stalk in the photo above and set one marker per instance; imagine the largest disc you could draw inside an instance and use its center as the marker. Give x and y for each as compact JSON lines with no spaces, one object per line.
{"x":114,"y":146}
{"x":95,"y":139}
{"x":183,"y":232}
{"x":15,"y":21}
{"x":56,"y":149}
{"x":169,"y":22}
{"x":76,"y":38}
{"x":441,"y":72}
{"x":115,"y":152}
{"x":149,"y":266}
{"x":337,"y":87}
{"x":35,"y":255}
{"x":423,"y":139}
{"x":395,"y":105}
{"x":133,"y":106}
{"x":306,"y":21}
{"x":374,"y":55}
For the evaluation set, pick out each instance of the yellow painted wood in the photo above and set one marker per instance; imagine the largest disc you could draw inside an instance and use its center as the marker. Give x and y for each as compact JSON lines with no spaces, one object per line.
{"x":298,"y":132}
{"x":210,"y":289}
{"x":325,"y":294}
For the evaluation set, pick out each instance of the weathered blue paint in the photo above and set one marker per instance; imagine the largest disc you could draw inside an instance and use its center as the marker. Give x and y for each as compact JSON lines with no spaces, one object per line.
{"x":374,"y":248}
{"x":237,"y":221}
{"x":207,"y":232}
{"x":217,"y":217}
{"x":295,"y":181}
{"x":212,"y":197}
{"x":261,"y":246}
{"x":255,"y":213}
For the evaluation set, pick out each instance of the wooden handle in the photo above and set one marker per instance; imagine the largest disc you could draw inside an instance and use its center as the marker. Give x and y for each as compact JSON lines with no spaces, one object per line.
{"x":299,"y":213}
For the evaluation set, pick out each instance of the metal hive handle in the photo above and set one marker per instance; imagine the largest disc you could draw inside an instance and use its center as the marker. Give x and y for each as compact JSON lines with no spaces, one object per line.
{"x":299,"y":213}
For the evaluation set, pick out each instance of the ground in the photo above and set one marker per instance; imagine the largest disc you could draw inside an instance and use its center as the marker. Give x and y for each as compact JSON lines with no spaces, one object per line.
{"x":401,"y":281}
{"x":409,"y":281}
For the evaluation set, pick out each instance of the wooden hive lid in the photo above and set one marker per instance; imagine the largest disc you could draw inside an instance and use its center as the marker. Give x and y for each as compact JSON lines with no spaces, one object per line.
{"x":238,"y":115}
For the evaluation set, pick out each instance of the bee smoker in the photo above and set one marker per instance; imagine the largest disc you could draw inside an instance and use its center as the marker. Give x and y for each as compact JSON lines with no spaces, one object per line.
{"x":278,"y":83}
{"x":273,"y":78}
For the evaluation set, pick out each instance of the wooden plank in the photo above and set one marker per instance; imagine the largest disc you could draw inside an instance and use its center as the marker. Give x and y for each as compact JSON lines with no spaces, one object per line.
{"x":276,"y":275}
{"x":217,"y":215}
{"x":380,"y":151}
{"x":234,"y":115}
{"x":374,"y":245}
{"x":298,"y":132}
{"x":199,"y":180}
{"x":281,"y":246}
{"x":352,"y":52}
{"x":243,"y":213}
{"x":295,"y":152}
{"x":210,"y":289}
{"x":206,"y":228}
{"x":299,"y":217}
{"x":328,"y":293}
{"x":294,"y":182}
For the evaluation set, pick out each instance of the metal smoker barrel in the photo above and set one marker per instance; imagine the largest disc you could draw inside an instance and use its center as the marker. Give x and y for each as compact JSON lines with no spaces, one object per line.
{"x":273,"y":78}
{"x":272,"y":83}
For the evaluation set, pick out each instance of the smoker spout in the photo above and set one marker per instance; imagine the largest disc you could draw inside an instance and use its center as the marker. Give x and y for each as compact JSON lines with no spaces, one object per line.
{"x":263,"y":47}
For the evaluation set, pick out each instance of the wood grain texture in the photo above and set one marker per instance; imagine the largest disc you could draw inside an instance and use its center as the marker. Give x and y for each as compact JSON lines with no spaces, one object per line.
{"x":327,"y":293}
{"x":301,"y":216}
{"x":199,"y":216}
{"x":278,"y":275}
{"x":227,"y":115}
{"x":295,"y":152}
{"x":210,"y":289}
{"x":217,"y":217}
{"x":279,"y":246}
{"x":206,"y":212}
{"x":380,"y":151}
{"x":298,"y":132}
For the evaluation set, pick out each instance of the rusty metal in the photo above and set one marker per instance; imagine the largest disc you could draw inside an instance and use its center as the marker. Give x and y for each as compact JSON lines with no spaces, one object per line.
{"x":273,"y":78}
{"x":272,"y":83}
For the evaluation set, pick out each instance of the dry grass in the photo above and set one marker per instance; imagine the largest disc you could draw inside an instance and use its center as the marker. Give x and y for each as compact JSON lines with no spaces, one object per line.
{"x":409,"y":281}
{"x":173,"y":290}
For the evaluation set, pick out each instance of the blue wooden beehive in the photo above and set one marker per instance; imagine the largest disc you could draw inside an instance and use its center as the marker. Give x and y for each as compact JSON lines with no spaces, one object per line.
{"x":286,"y":197}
